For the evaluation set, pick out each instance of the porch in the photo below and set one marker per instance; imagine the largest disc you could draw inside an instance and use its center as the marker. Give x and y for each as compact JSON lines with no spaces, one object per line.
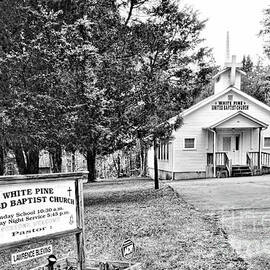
{"x":236,"y":147}
{"x":257,"y":163}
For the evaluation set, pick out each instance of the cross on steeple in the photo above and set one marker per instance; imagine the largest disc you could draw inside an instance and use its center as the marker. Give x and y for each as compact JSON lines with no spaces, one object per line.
{"x":233,"y":65}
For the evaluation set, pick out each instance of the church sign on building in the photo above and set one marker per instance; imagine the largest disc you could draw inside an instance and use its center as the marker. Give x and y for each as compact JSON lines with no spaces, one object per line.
{"x":230,"y":105}
{"x":36,"y":209}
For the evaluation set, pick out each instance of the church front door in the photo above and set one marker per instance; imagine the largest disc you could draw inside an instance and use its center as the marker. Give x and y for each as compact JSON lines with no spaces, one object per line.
{"x":231,"y":145}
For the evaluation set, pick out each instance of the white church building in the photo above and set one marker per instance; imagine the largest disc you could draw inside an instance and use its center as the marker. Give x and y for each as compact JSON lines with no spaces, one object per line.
{"x":226,"y":134}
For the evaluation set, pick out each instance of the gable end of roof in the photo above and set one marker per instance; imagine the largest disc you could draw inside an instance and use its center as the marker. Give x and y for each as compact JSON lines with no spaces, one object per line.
{"x":206,"y":101}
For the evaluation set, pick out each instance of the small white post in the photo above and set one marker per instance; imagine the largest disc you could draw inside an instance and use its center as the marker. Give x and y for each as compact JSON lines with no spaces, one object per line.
{"x":214,"y":153}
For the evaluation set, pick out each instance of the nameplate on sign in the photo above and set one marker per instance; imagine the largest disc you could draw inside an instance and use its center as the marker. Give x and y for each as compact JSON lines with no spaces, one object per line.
{"x":230,"y":105}
{"x":31,"y":254}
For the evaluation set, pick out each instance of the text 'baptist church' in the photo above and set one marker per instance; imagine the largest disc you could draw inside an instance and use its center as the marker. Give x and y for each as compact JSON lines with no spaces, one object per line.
{"x":230,"y":105}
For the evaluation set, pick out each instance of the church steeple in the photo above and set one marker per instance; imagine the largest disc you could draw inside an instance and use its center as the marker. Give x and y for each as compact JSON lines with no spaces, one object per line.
{"x":227,"y":56}
{"x":230,"y":76}
{"x":233,"y":67}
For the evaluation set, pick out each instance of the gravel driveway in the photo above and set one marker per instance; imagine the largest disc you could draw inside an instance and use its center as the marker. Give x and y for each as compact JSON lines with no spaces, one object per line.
{"x":243,"y":205}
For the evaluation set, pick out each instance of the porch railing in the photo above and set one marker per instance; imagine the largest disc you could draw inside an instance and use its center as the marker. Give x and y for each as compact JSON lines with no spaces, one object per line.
{"x":250,"y":161}
{"x":265,"y":159}
{"x":253,"y":159}
{"x":222,"y":160}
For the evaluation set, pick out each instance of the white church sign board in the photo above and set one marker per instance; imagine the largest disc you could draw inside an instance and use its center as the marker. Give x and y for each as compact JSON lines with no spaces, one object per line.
{"x":36,"y":209}
{"x":40,"y":208}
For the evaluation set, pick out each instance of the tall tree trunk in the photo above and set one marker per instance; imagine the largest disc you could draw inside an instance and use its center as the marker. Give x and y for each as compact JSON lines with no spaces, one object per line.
{"x":91,"y":164}
{"x":118,"y":165}
{"x":156,"y":164}
{"x":145,"y":161}
{"x":130,"y":165}
{"x":32,"y":157}
{"x":56,"y":159}
{"x":20,"y":159}
{"x":2,"y":160}
{"x":143,"y":155}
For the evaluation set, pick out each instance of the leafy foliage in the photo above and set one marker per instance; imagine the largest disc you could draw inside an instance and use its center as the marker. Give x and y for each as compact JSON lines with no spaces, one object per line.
{"x":257,"y":82}
{"x":90,"y":76}
{"x":265,"y":32}
{"x":247,"y":64}
{"x":31,"y":63}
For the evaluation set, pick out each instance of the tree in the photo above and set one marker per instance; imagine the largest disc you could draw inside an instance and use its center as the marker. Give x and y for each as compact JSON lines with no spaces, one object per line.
{"x":247,"y":64}
{"x":77,"y":75}
{"x":166,"y":77}
{"x":66,"y":53}
{"x":257,"y":82}
{"x":105,"y":132}
{"x":21,"y":64}
{"x":102,"y":78}
{"x":265,"y":31}
{"x":35,"y":62}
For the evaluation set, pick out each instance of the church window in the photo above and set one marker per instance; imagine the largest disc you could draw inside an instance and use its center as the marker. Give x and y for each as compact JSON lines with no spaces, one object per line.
{"x":266,"y":142}
{"x":237,"y":142}
{"x":230,"y":97}
{"x":189,"y":143}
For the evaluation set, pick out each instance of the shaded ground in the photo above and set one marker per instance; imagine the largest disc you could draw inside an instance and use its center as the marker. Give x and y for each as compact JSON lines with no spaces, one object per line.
{"x":168,"y":233}
{"x":243,"y":205}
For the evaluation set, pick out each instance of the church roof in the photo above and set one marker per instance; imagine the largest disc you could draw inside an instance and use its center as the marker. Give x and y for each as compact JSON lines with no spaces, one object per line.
{"x":236,"y":121}
{"x":227,"y":69}
{"x":208,"y":100}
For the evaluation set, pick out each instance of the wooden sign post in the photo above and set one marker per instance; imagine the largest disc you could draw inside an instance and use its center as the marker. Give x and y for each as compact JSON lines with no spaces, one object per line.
{"x":36,"y":208}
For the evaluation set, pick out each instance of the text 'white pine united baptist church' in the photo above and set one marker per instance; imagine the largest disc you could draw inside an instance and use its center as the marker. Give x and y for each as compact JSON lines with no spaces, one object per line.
{"x":226,"y":134}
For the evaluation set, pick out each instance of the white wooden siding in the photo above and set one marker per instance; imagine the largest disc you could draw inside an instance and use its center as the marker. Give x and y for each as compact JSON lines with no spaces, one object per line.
{"x":193,"y":124}
{"x":165,"y":165}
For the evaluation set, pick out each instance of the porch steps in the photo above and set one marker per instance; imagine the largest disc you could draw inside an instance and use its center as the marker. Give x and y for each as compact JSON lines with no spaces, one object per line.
{"x":241,"y":170}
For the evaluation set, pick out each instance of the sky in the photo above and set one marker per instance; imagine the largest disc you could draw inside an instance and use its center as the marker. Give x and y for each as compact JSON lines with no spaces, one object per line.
{"x":242,"y":18}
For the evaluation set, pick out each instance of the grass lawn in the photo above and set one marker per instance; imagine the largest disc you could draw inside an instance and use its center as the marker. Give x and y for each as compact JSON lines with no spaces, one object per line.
{"x":168,"y":233}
